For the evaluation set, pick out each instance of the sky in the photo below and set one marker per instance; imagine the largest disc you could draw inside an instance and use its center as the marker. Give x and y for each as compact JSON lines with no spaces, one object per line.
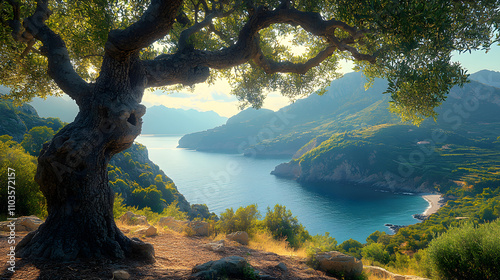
{"x":217,"y":97}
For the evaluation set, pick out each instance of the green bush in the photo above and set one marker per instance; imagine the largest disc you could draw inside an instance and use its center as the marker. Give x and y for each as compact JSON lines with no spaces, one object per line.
{"x":351,"y":247}
{"x":35,"y":138}
{"x":375,"y":236}
{"x":321,"y":243}
{"x":375,"y":252}
{"x":467,"y":252}
{"x":119,"y":208}
{"x":245,"y":219}
{"x":20,"y":167}
{"x":317,"y":244}
{"x":147,"y":197}
{"x":282,"y":224}
{"x":173,"y":210}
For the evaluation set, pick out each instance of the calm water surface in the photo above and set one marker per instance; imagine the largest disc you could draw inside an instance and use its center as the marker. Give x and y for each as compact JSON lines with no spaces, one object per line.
{"x":231,"y":180}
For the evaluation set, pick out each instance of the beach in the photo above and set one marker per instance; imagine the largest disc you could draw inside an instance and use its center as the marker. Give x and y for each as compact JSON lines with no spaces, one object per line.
{"x":434,"y":203}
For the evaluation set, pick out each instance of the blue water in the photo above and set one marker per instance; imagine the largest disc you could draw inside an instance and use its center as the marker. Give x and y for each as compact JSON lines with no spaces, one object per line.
{"x":231,"y":180}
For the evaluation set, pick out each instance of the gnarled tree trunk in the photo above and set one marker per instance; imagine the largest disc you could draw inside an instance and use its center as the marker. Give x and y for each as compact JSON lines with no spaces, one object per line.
{"x":72,"y":172}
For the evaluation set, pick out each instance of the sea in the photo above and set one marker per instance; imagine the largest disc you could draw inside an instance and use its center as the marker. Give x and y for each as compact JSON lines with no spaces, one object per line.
{"x":223,"y":181}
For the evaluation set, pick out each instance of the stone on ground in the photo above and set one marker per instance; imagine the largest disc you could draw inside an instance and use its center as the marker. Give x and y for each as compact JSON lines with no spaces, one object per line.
{"x":217,"y":246}
{"x":24,"y":223}
{"x":239,"y":236}
{"x":384,"y":274}
{"x":132,"y":219}
{"x":200,"y":228}
{"x":150,"y":231}
{"x":121,"y":275}
{"x":339,"y":264}
{"x":232,"y":266}
{"x":172,"y":224}
{"x":197,"y":227}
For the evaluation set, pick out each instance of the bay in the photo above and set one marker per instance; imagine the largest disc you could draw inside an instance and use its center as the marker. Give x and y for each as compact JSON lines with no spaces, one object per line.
{"x":222,"y":181}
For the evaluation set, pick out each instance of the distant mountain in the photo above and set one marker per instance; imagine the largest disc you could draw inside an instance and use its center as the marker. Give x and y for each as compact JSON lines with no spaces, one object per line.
{"x":57,"y":107}
{"x":158,"y":119}
{"x":345,"y":105}
{"x":226,"y":138}
{"x":487,"y":77}
{"x":163,"y":120}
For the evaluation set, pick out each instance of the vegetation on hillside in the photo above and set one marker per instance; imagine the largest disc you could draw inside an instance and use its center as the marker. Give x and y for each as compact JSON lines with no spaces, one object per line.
{"x":17,"y":121}
{"x":401,"y":155}
{"x":29,"y":198}
{"x":460,"y":144}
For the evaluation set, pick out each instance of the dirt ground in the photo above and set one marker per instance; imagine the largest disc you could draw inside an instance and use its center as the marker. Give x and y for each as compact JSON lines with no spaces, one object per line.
{"x":176,"y":255}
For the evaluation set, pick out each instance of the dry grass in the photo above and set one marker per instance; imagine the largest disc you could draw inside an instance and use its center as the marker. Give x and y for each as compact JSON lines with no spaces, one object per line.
{"x":265,"y":242}
{"x":407,"y":271}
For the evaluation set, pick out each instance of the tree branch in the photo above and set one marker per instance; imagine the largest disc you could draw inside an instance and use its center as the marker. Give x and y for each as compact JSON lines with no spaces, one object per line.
{"x":154,"y":24}
{"x":270,"y":66}
{"x":207,"y":22}
{"x":186,"y":69}
{"x":54,"y":48}
{"x":167,"y":70}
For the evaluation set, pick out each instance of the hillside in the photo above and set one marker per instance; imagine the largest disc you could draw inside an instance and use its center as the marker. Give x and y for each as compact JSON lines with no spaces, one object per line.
{"x":345,"y":106}
{"x":18,"y":120}
{"x":462,"y":144}
{"x":163,"y":120}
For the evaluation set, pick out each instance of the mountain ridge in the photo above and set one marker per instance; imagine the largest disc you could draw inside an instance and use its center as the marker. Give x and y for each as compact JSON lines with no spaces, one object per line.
{"x":345,"y":116}
{"x":163,"y":120}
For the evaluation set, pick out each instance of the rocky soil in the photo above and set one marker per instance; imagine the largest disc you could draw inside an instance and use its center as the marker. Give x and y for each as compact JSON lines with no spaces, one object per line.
{"x":176,"y":256}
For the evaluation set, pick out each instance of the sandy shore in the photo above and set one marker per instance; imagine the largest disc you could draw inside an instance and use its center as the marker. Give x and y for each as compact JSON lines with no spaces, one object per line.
{"x":434,"y":203}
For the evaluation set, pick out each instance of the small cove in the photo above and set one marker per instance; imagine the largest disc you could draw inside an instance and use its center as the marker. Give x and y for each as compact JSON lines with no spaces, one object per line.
{"x":231,"y":180}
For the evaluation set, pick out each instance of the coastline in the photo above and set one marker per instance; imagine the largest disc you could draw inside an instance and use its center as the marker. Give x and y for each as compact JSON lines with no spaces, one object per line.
{"x":434,"y":203}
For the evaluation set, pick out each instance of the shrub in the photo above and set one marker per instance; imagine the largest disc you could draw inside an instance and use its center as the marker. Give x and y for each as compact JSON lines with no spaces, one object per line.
{"x":375,"y":236}
{"x":467,"y":252}
{"x":375,"y":252}
{"x":119,"y":207}
{"x":34,"y":139}
{"x":321,"y":243}
{"x":20,"y":166}
{"x":282,"y":224}
{"x":351,"y":247}
{"x":245,"y":219}
{"x":173,"y":210}
{"x":317,"y":244}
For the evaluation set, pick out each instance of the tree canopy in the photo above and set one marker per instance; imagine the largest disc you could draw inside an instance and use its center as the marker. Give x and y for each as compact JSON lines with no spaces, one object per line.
{"x":291,"y":46}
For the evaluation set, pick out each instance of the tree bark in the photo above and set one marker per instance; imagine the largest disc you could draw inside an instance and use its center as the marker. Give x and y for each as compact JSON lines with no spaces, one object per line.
{"x":72,"y":173}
